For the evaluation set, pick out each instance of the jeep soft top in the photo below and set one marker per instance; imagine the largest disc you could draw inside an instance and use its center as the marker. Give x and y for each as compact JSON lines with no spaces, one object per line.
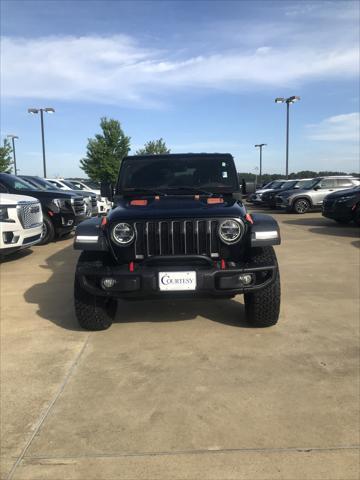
{"x":179,"y":228}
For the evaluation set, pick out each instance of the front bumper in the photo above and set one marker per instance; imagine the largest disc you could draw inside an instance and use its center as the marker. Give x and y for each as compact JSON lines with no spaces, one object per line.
{"x":282,"y":202}
{"x":144,"y":280}
{"x":338,"y":211}
{"x":13,"y":238}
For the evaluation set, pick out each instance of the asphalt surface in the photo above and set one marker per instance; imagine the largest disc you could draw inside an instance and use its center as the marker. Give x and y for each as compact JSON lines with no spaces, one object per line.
{"x":184,"y":389}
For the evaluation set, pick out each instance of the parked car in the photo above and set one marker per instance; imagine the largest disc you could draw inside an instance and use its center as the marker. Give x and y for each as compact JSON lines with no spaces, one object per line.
{"x":313,"y":192}
{"x":269,"y":198}
{"x":62,"y":211}
{"x":178,"y":229}
{"x":21,"y":222}
{"x":89,"y":197}
{"x":343,"y":206}
{"x":104,"y":205}
{"x":257,"y":196}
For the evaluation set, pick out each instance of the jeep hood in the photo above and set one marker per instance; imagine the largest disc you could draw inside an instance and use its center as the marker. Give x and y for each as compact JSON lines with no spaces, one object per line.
{"x":176,"y":207}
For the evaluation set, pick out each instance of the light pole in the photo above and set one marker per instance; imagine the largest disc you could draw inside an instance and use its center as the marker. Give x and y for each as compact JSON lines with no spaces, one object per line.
{"x":288,"y":101}
{"x":13,"y":149}
{"x":260,"y":146}
{"x":256,"y":170}
{"x":34,"y":111}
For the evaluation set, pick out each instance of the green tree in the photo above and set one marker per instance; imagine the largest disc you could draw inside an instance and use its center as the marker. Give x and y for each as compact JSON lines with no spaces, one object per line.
{"x":105,"y":152}
{"x":5,"y":157}
{"x":154,"y":147}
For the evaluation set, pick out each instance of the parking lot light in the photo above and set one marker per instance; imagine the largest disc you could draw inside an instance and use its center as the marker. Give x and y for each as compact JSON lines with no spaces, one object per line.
{"x":34,"y":111}
{"x":288,"y":101}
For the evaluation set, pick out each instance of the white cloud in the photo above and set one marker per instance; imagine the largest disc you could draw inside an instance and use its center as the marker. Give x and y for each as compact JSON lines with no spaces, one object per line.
{"x":345,"y":127}
{"x":116,"y":69}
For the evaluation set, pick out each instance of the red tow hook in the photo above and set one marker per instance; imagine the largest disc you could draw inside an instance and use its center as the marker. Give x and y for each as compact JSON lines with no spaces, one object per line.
{"x":223,"y":264}
{"x":131,"y":266}
{"x":249,"y":218}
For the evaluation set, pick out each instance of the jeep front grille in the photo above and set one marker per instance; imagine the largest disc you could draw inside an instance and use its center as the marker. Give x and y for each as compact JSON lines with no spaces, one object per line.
{"x":30,"y":214}
{"x":177,"y":237}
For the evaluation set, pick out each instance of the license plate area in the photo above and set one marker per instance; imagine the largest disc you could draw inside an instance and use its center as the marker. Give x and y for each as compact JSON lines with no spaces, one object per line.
{"x":177,"y":281}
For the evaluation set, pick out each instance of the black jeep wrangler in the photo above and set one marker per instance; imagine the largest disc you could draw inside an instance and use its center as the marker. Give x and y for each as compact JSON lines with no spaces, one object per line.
{"x":179,"y":228}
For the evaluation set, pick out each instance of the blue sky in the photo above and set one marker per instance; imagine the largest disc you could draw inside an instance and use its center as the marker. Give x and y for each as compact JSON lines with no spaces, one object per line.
{"x":201,"y":74}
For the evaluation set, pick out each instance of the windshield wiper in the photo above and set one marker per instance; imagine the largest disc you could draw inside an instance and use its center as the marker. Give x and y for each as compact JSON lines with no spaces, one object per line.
{"x":189,"y":189}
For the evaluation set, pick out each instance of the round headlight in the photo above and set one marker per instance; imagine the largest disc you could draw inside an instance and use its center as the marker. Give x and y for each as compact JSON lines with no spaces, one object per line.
{"x":230,"y":231}
{"x":123,"y":234}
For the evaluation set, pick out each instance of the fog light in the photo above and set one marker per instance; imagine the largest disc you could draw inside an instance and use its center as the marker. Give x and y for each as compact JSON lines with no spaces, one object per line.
{"x":246,"y":278}
{"x":108,"y":282}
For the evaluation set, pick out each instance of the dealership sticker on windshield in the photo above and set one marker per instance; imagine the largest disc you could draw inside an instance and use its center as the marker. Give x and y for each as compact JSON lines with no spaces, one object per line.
{"x":177,"y":281}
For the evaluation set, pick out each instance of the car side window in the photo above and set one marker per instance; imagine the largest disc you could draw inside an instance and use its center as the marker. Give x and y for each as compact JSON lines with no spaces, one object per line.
{"x":328,"y":183}
{"x":344,"y":182}
{"x":3,"y":189}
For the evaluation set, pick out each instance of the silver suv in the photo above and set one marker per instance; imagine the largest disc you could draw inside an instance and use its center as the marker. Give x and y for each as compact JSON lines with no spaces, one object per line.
{"x":313,"y":193}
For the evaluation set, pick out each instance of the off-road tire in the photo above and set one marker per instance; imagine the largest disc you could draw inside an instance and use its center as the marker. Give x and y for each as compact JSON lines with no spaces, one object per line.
{"x":93,"y":312}
{"x":301,"y":206}
{"x":262,"y":307}
{"x":48,"y":233}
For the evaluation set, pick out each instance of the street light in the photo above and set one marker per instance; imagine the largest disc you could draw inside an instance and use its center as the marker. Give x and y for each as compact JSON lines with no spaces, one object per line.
{"x":260,"y":146}
{"x":34,"y":111}
{"x":288,"y":101}
{"x":13,"y":149}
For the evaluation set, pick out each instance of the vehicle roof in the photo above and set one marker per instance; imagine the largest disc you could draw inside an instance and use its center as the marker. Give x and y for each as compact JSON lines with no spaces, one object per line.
{"x":165,"y":156}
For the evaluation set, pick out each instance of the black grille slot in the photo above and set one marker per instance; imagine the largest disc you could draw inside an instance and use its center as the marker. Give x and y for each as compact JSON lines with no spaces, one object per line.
{"x":177,"y":237}
{"x":79,"y":206}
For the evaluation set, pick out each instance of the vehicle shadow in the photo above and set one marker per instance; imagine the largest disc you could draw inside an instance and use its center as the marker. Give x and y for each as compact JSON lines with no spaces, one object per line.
{"x":324,"y":226}
{"x":54,"y":298}
{"x":13,"y":257}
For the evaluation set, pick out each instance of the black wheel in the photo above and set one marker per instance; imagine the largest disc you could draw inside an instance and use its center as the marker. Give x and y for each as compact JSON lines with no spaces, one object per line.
{"x":48,"y":231}
{"x":301,"y":205}
{"x":262,"y":308}
{"x":92,"y":311}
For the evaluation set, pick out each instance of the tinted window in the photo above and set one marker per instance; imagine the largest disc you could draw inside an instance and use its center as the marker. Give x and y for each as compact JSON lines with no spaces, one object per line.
{"x":170,"y":173}
{"x":16,"y":183}
{"x":288,"y":185}
{"x":344,"y":182}
{"x":40,"y":183}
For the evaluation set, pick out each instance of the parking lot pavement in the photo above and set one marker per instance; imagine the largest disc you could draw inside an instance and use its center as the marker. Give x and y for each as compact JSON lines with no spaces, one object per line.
{"x":183,"y":389}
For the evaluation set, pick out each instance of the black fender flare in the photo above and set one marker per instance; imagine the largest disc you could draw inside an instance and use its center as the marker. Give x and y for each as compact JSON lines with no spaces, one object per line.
{"x":264,"y":231}
{"x":90,"y":236}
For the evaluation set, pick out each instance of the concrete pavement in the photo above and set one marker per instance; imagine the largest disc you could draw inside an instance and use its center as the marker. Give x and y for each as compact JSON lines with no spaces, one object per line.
{"x":184,"y":389}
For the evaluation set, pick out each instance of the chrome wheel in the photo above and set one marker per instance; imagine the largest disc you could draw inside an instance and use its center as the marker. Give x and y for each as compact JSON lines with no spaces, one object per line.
{"x":301,"y":206}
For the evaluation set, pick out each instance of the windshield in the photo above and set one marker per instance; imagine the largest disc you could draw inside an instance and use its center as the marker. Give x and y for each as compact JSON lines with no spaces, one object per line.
{"x":301,"y":184}
{"x":41,"y":183}
{"x":309,"y":184}
{"x":92,"y":184}
{"x":288,"y":185}
{"x":212,"y":174}
{"x":75,"y":185}
{"x":277,"y":184}
{"x":16,"y":183}
{"x":70,"y":185}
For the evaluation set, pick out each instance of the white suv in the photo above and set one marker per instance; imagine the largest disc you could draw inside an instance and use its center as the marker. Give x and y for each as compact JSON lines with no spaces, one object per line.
{"x":104,"y":205}
{"x":21,"y":222}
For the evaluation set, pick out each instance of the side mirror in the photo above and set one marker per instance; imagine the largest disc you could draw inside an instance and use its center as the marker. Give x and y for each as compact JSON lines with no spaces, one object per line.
{"x":318,"y":187}
{"x":106,"y":190}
